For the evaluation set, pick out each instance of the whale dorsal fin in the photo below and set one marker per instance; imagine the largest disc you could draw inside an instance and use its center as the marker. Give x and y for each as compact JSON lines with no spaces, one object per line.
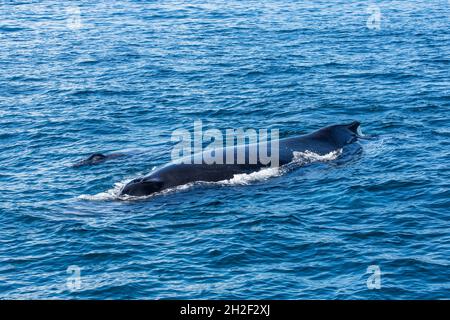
{"x":354,"y":126}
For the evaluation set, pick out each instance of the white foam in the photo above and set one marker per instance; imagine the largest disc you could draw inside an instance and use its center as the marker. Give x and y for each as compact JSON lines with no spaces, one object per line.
{"x":309,"y":156}
{"x":247,"y":178}
{"x":111,"y":194}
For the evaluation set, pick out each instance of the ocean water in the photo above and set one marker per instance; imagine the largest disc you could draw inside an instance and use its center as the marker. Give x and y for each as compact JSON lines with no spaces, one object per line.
{"x":119,"y":76}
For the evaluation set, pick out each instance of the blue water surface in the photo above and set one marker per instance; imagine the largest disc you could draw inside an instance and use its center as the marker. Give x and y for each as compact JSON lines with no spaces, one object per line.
{"x":120,"y":76}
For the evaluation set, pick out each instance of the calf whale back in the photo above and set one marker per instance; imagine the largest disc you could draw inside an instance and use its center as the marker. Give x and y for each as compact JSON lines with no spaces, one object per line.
{"x":97,"y":158}
{"x":321,"y":142}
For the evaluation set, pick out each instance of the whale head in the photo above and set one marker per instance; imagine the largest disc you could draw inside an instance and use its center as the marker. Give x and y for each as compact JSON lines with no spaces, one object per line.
{"x":141,"y":187}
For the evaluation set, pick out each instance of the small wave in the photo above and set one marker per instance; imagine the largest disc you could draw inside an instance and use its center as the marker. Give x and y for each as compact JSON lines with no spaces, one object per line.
{"x":5,"y":28}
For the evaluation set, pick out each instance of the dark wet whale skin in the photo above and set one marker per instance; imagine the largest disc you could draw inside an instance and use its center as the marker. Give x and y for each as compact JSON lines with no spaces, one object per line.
{"x":97,"y":158}
{"x":321,"y":142}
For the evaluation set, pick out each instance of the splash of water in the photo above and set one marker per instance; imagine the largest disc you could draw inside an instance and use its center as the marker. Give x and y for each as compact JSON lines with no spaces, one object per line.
{"x":307,"y":156}
{"x":111,"y":194}
{"x":247,"y":178}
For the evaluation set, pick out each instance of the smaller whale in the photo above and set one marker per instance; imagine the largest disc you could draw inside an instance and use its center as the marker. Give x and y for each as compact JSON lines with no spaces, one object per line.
{"x":97,"y":158}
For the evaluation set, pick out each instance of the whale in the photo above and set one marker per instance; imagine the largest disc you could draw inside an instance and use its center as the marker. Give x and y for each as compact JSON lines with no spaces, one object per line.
{"x":97,"y":158}
{"x":176,"y":173}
